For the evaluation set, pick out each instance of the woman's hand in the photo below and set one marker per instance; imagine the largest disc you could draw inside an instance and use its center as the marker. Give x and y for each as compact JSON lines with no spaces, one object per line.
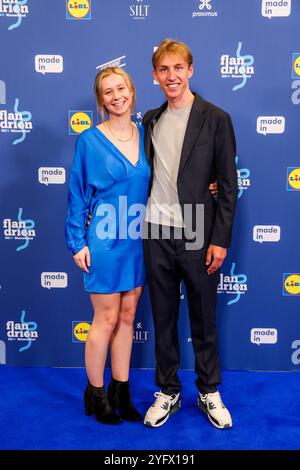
{"x":213,"y":187}
{"x":88,"y":221}
{"x":83,"y":259}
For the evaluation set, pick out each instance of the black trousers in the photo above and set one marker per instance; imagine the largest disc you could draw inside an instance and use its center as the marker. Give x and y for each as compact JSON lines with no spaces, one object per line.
{"x":167,"y":263}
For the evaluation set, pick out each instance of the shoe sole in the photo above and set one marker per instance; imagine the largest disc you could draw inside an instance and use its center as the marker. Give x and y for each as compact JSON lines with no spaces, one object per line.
{"x":174,"y":409}
{"x":203,"y":409}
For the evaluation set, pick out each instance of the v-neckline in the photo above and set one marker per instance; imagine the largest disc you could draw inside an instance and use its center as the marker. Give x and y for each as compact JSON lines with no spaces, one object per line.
{"x":118,"y":150}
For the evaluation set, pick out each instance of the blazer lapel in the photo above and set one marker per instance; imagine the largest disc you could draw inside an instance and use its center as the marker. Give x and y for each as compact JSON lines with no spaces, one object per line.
{"x":194,"y":125}
{"x":153,"y":118}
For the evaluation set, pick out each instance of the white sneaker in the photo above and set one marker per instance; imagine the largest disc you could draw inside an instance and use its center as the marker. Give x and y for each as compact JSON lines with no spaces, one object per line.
{"x":163,"y":407}
{"x":211,"y":404}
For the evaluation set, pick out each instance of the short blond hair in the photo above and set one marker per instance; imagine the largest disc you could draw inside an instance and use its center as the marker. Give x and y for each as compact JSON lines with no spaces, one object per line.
{"x":171,"y":46}
{"x":98,"y":89}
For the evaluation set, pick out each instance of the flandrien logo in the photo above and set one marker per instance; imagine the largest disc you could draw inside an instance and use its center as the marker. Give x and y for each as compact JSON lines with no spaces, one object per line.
{"x":260,"y":336}
{"x":139,"y":10}
{"x":275,"y":8}
{"x":291,"y":284}
{"x":205,"y":9}
{"x":21,"y":229}
{"x":16,"y":122}
{"x":117,"y":62}
{"x":80,"y":331}
{"x":270,"y":125}
{"x":244,"y":182}
{"x":14,"y":9}
{"x":240,"y":66}
{"x":296,"y":78}
{"x":235,"y":284}
{"x":54,"y":280}
{"x":293,"y":179}
{"x":139,"y":334}
{"x":266,"y":233}
{"x":78,"y":10}
{"x":23,"y":331}
{"x":79,"y":121}
{"x":51,"y":175}
{"x":48,"y":63}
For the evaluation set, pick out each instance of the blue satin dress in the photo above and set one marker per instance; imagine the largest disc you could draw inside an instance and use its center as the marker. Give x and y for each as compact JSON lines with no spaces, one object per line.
{"x":106,"y":184}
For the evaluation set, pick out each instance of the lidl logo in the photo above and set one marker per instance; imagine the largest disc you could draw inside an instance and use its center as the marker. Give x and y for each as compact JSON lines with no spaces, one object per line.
{"x":296,"y":65}
{"x":80,"y":10}
{"x":293,"y":179}
{"x":291,"y":284}
{"x":79,"y":121}
{"x":80,"y":331}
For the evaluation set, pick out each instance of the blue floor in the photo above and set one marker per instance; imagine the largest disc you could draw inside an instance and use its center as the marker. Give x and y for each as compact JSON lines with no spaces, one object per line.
{"x":41,"y":408}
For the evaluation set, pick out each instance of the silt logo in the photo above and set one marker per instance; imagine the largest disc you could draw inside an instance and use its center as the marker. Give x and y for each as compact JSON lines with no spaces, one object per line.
{"x":240,"y":66}
{"x":14,"y":9}
{"x":19,"y":230}
{"x":140,"y":335}
{"x":80,"y":10}
{"x":291,"y":284}
{"x":80,"y":331}
{"x":79,"y":121}
{"x":139,"y":10}
{"x":293,"y":179}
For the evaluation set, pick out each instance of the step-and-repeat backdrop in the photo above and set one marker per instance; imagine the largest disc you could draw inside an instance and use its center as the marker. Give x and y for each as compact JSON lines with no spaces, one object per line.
{"x":247,"y":61}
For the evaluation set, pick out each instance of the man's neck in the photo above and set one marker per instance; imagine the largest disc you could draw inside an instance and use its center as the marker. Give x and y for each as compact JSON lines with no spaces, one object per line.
{"x":185,"y":100}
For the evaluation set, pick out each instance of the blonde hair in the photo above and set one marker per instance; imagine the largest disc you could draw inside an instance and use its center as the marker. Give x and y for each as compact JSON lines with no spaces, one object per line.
{"x":171,"y":46}
{"x":98,"y":89}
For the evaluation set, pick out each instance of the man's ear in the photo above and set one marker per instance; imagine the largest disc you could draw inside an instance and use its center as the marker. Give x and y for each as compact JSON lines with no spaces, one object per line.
{"x":191,"y":70}
{"x":154,"y":75}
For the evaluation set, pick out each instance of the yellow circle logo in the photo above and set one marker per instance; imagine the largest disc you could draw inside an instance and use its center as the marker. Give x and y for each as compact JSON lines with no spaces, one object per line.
{"x":292,"y":284}
{"x":81,"y":330}
{"x":79,"y":122}
{"x":297,"y":66}
{"x":294,"y":178}
{"x":78,"y":9}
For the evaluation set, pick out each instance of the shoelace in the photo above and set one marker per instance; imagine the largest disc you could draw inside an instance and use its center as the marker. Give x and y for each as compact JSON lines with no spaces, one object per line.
{"x":215,"y":400}
{"x":162,"y":400}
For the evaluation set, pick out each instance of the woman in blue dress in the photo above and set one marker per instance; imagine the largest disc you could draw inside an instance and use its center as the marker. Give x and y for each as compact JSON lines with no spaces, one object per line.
{"x":109,"y":179}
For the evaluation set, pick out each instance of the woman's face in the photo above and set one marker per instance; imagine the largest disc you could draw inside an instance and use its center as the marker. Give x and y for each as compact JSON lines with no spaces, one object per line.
{"x":117,"y":97}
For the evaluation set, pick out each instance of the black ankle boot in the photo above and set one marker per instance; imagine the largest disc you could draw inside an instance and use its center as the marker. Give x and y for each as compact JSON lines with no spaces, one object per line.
{"x":118,"y":394}
{"x":96,"y":402}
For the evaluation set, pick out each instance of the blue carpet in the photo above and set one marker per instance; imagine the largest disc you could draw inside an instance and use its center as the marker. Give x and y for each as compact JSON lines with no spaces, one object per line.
{"x":42,"y":409}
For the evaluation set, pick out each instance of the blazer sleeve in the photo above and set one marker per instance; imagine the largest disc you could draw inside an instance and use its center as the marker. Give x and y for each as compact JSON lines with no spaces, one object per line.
{"x":226,"y":175}
{"x":79,"y":198}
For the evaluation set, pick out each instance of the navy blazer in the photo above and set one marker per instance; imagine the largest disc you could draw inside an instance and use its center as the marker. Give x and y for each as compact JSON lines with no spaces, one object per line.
{"x":208,"y":153}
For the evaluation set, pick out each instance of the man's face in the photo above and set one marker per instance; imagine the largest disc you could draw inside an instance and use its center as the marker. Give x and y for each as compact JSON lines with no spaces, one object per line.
{"x":173,"y":74}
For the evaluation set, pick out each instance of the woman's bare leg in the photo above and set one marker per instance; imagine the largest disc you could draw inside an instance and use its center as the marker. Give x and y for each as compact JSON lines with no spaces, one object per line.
{"x":122,"y":337}
{"x":106,"y":311}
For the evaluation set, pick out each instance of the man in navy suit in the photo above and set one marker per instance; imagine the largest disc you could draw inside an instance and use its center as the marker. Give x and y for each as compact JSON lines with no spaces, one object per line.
{"x":189,"y":142}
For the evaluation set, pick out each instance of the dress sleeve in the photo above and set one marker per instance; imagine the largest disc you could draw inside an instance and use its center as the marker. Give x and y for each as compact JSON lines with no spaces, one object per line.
{"x":79,"y":199}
